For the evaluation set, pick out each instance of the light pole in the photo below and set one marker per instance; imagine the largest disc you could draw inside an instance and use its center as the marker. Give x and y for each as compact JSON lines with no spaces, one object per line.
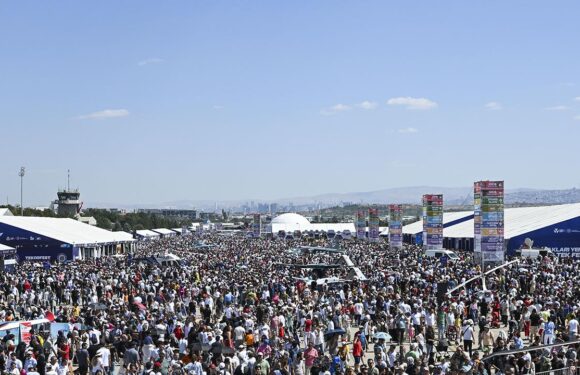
{"x":21,"y":174}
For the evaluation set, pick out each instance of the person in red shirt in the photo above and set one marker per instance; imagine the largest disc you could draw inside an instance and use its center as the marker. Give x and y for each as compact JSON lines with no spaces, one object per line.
{"x":64,"y":352}
{"x":178,"y":332}
{"x":357,"y":352}
{"x":308,"y":325}
{"x":310,"y":355}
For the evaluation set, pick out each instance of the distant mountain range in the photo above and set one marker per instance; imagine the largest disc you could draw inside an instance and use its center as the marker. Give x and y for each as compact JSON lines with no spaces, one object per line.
{"x":452,"y":196}
{"x":409,"y":195}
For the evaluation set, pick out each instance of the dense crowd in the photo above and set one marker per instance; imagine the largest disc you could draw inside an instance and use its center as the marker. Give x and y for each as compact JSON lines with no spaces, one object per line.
{"x":241,"y":308}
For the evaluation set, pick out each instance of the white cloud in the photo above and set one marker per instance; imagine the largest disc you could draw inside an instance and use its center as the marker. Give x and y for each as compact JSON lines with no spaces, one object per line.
{"x":568,"y":84}
{"x":335,"y":109}
{"x":151,"y":60}
{"x":556,"y":108}
{"x":493,"y":106}
{"x":577,"y":99}
{"x":577,"y":118}
{"x":412,"y":103}
{"x":408,"y":130}
{"x":368,"y":105}
{"x":217,"y":107}
{"x":340,"y":108}
{"x":105,"y":114}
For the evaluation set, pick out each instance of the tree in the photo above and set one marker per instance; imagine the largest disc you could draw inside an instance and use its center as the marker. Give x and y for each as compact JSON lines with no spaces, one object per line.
{"x":117,"y":227}
{"x":104,"y":223}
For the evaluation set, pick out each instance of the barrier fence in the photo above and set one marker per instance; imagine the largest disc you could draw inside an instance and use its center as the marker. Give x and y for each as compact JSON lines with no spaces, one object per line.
{"x":573,"y":370}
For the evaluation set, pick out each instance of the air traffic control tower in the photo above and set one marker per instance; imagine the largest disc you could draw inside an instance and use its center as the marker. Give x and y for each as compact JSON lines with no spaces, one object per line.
{"x":69,"y":203}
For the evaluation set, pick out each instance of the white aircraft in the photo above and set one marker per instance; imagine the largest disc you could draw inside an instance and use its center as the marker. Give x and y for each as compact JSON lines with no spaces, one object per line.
{"x":323,"y":281}
{"x":485,"y":293}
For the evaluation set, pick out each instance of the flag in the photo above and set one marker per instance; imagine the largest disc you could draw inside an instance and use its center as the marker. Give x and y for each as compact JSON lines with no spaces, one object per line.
{"x":50,"y":316}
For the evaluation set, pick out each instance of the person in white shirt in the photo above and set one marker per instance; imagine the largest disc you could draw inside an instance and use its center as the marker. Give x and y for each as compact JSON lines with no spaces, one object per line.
{"x":239,"y":335}
{"x":14,"y":360}
{"x":105,"y":354}
{"x":50,"y":370}
{"x":416,"y":321}
{"x":429,"y":318}
{"x":572,"y":328}
{"x":62,"y":368}
{"x":467,"y":333}
{"x":358,"y":310}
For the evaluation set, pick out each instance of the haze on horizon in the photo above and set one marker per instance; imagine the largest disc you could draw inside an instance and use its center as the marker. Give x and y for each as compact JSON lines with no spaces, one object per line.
{"x":153,"y":102}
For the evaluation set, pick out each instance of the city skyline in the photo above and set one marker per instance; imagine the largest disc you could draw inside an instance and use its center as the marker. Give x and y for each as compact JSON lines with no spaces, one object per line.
{"x":150,"y":103}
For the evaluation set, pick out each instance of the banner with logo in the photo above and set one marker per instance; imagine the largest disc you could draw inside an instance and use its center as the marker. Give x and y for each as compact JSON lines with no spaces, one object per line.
{"x":25,"y":335}
{"x":374,"y":224}
{"x":488,"y":209}
{"x":433,"y":221}
{"x":396,"y":226}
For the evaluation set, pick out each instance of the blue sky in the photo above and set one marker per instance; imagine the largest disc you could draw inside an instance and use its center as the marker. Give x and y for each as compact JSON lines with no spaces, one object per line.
{"x":158,"y":101}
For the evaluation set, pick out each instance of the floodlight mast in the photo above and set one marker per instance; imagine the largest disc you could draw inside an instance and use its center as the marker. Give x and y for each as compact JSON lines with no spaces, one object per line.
{"x":21,"y":174}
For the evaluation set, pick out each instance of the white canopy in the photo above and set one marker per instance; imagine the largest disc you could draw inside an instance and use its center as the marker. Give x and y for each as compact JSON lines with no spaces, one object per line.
{"x":521,"y":220}
{"x":66,"y":230}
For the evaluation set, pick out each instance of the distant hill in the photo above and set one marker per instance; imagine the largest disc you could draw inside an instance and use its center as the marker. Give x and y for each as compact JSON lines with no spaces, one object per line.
{"x":410,"y":195}
{"x":452,"y":196}
{"x":544,"y":196}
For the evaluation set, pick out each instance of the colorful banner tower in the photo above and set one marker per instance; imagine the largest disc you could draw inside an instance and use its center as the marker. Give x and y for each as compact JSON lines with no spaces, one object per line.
{"x":373,"y":224}
{"x":433,"y":221}
{"x":396,"y":226}
{"x":360,"y":224}
{"x":257,"y":226}
{"x":488,"y":231}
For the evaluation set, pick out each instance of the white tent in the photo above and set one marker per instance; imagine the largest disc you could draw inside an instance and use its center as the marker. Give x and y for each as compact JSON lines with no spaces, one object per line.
{"x":164,"y":232}
{"x":66,"y":230}
{"x":521,"y":220}
{"x":148,"y":234}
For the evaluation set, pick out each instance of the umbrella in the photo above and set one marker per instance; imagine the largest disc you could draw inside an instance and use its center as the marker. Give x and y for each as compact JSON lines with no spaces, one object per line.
{"x":334,"y":332}
{"x":382,"y":336}
{"x":97,"y":306}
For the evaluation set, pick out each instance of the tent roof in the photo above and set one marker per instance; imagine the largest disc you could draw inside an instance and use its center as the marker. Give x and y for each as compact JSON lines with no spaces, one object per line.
{"x":448,"y":217}
{"x":163,"y":231}
{"x":521,"y":220}
{"x":5,"y":212}
{"x":69,"y":231}
{"x":147,"y":233}
{"x":5,"y":247}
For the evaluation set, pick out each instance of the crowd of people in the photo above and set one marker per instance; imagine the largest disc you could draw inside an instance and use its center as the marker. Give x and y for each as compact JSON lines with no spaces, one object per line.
{"x":241,"y":307}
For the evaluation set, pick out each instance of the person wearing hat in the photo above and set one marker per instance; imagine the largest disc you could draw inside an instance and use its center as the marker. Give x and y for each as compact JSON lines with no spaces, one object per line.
{"x":468,"y":335}
{"x":261,"y":367}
